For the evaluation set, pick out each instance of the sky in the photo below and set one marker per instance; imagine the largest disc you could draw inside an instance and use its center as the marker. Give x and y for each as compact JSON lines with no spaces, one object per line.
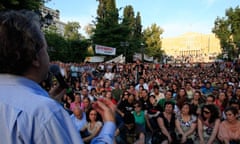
{"x":175,"y":17}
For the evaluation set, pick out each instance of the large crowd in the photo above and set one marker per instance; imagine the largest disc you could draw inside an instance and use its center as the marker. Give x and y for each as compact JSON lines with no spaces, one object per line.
{"x":131,"y":103}
{"x":156,"y":103}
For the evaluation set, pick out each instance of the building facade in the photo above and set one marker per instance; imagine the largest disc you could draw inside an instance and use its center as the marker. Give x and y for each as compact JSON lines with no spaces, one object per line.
{"x":55,"y":14}
{"x":192,"y":47}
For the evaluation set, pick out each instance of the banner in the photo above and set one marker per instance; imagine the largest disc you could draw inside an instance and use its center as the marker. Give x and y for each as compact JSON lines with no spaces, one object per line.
{"x":139,"y":56}
{"x":99,"y":49}
{"x":118,"y":59}
{"x":94,"y":59}
{"x":148,"y":58}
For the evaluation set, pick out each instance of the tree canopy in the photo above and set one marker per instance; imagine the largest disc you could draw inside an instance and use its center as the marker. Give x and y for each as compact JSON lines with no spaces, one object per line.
{"x":227,"y":29}
{"x":153,"y":43}
{"x":112,"y":30}
{"x":71,"y":31}
{"x":21,"y":4}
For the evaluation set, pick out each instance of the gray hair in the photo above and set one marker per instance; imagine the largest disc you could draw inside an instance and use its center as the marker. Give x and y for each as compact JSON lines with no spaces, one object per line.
{"x":20,"y":40}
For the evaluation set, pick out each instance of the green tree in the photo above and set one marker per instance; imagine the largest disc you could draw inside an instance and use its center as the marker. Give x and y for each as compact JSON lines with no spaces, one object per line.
{"x":77,"y":50}
{"x":89,"y":29}
{"x":111,"y":30}
{"x":153,"y":43}
{"x":137,"y":36}
{"x":227,"y":29}
{"x":57,"y":46}
{"x":128,"y":23}
{"x":66,"y":50}
{"x":71,"y":31}
{"x":107,"y":30}
{"x":21,"y":4}
{"x":133,"y":28}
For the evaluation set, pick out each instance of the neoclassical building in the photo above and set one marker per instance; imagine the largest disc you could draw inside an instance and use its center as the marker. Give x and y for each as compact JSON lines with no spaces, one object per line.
{"x":192,"y":47}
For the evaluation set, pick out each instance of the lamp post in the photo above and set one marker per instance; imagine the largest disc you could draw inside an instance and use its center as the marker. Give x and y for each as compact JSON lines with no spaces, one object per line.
{"x":142,"y":52}
{"x":48,"y":19}
{"x":45,"y":20}
{"x":125,"y":45}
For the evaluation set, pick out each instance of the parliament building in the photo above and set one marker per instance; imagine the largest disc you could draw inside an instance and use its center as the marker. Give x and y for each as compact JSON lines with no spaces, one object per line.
{"x":192,"y":47}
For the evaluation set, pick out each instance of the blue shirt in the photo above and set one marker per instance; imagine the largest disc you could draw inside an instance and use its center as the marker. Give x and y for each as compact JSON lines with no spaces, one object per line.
{"x":79,"y":123}
{"x":29,"y":115}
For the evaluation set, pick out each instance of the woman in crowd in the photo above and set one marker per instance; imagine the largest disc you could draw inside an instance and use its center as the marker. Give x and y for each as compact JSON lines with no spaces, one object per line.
{"x":196,"y":102}
{"x":133,"y":91}
{"x":93,"y":94}
{"x":229,"y":130}
{"x":152,"y":113}
{"x":110,"y":97}
{"x":189,"y":90}
{"x":174,"y":90}
{"x":186,"y":124}
{"x":180,"y":100}
{"x":99,"y":89}
{"x":76,"y":102}
{"x":139,"y":115}
{"x":86,"y":104}
{"x":93,"y":126}
{"x":77,"y":87}
{"x":139,"y":94}
{"x":221,"y":101}
{"x":66,"y":101}
{"x":208,"y":124}
{"x":166,"y":122}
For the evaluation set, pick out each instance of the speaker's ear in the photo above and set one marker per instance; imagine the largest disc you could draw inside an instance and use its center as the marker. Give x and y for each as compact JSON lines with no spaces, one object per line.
{"x":35,"y":63}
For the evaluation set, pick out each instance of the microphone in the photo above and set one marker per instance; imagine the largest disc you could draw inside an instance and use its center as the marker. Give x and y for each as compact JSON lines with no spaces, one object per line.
{"x":55,"y":70}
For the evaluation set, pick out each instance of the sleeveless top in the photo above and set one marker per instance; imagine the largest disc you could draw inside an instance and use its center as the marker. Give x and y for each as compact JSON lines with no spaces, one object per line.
{"x":170,"y":126}
{"x":187,"y":125}
{"x":207,"y":131}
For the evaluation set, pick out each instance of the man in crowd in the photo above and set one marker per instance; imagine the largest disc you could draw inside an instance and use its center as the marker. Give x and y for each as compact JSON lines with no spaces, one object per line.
{"x":79,"y":118}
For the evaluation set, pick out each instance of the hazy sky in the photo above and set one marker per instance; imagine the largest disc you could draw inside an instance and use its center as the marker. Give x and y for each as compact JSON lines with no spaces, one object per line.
{"x":176,"y":17}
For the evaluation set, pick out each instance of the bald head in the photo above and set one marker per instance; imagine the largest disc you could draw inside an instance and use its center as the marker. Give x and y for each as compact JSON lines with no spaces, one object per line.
{"x":77,"y":111}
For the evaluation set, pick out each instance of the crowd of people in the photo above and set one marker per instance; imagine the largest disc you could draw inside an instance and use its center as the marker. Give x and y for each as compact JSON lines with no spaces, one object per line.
{"x":193,"y":103}
{"x":28,"y":114}
{"x":105,"y":103}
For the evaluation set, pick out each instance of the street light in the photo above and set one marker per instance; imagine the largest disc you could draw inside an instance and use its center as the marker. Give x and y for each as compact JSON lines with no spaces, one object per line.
{"x":44,"y":20}
{"x":142,"y":53}
{"x":48,"y":19}
{"x":125,"y":45}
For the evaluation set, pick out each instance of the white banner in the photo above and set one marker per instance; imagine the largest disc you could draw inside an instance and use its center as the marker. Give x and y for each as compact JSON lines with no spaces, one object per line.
{"x":99,"y":49}
{"x":148,"y":58}
{"x":118,"y":59}
{"x":94,"y":59}
{"x":139,"y":56}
